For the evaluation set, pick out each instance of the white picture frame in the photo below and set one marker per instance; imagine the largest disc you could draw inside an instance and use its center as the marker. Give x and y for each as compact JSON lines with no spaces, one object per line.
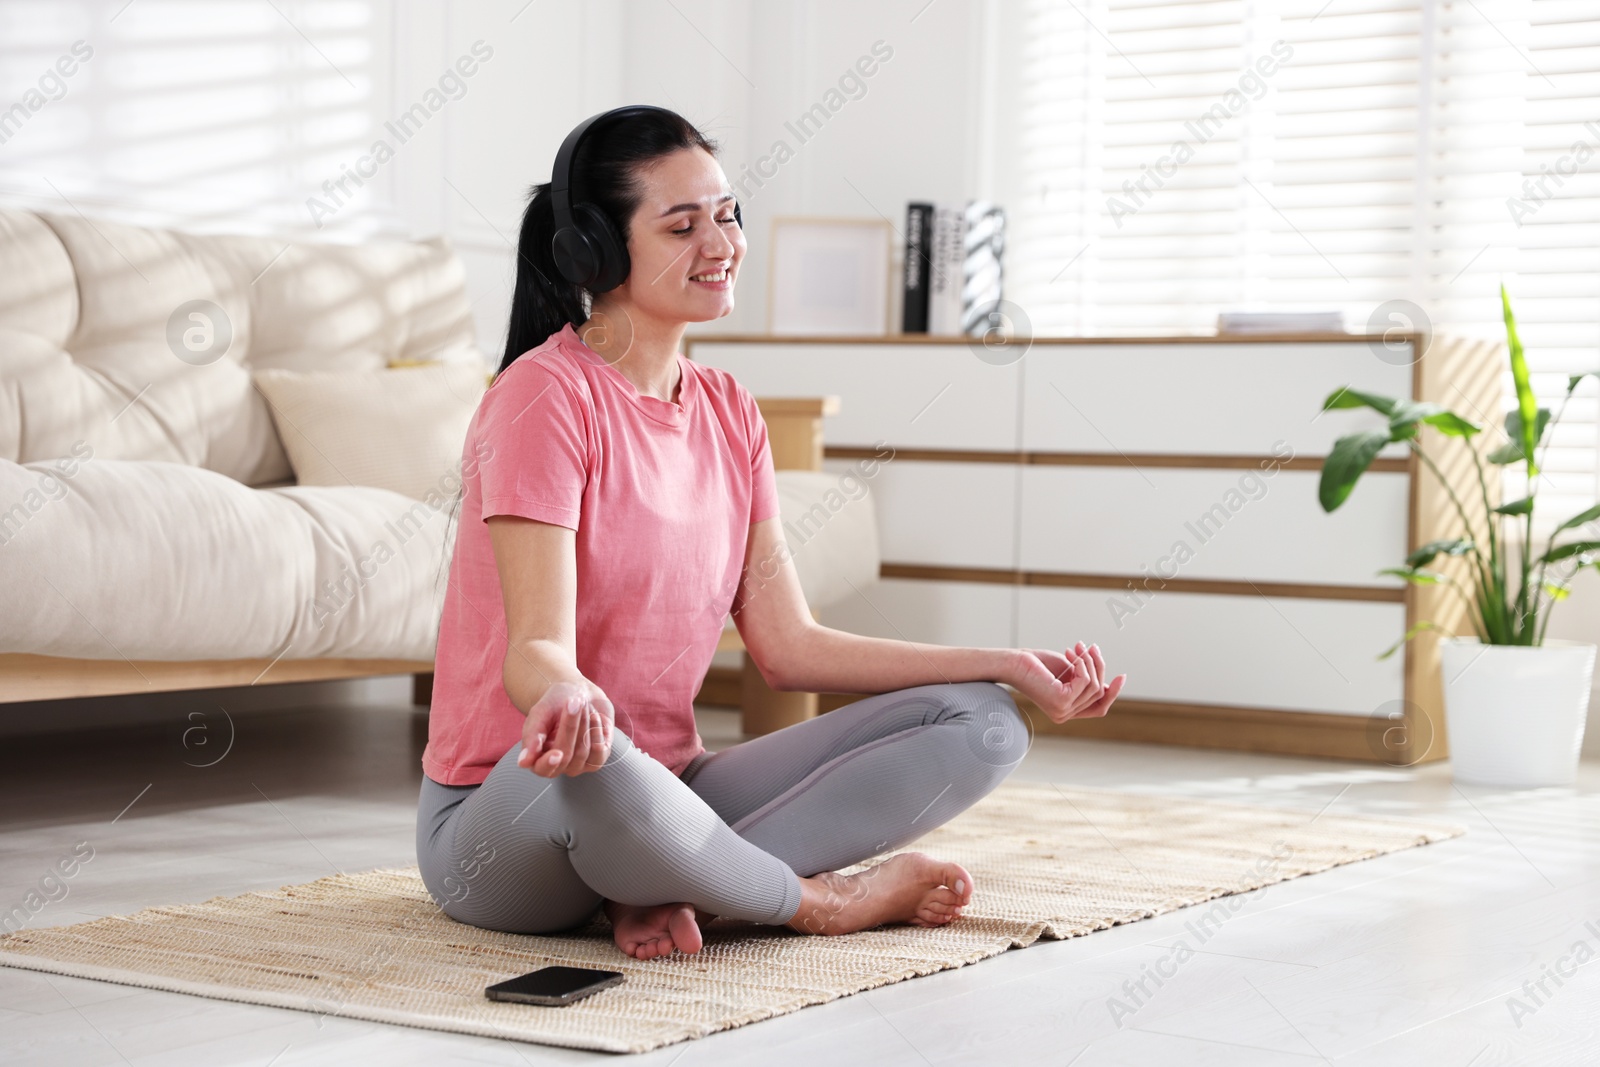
{"x":829,"y":277}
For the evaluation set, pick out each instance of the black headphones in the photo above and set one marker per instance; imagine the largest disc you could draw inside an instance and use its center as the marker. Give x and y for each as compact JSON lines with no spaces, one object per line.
{"x":588,"y":249}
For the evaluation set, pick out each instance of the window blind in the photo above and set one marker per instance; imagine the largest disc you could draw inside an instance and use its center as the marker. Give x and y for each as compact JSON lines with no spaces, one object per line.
{"x":1556,"y":285}
{"x":1184,"y":158}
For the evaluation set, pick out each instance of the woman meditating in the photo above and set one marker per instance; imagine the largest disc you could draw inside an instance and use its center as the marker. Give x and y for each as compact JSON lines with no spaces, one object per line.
{"x":618,"y":502}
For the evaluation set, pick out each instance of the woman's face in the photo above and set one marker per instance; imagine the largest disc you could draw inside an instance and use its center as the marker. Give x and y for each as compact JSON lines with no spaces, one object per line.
{"x":683,"y":245}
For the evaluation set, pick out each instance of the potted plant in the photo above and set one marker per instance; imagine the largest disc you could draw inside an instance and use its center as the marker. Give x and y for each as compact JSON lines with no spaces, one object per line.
{"x":1515,"y":703}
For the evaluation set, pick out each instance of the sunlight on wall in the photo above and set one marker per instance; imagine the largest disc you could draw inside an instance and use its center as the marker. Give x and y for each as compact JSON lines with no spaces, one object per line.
{"x":223,"y":116}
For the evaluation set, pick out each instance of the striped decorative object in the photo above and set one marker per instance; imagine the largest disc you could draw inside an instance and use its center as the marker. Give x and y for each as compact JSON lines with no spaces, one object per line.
{"x":983,"y":243}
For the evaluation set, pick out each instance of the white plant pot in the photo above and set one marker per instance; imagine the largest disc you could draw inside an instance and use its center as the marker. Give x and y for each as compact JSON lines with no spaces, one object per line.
{"x":1515,"y":713}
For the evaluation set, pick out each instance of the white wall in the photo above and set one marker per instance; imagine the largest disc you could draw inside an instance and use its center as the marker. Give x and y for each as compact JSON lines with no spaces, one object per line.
{"x":215,"y":116}
{"x":230,"y":115}
{"x":740,"y":71}
{"x":904,"y":132}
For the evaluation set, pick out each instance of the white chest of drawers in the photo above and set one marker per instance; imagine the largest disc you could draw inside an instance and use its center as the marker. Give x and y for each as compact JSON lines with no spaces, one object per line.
{"x":1157,"y":496}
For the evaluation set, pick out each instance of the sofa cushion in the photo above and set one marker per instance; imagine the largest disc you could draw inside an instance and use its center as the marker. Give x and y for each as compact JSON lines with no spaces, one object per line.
{"x":38,"y":312}
{"x":399,"y":429}
{"x":138,"y":560}
{"x":40,"y":293}
{"x":125,"y":559}
{"x":139,"y":342}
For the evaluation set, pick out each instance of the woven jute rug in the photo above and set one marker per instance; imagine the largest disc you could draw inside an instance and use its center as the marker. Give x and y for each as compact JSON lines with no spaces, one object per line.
{"x":1047,"y":862}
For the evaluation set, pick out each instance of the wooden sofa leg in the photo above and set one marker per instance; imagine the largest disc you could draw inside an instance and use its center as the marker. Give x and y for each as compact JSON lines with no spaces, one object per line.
{"x":422,"y":689}
{"x":764,"y":709}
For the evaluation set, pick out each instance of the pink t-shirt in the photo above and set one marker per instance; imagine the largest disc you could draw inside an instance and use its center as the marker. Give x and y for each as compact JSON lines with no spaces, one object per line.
{"x":661,"y":495}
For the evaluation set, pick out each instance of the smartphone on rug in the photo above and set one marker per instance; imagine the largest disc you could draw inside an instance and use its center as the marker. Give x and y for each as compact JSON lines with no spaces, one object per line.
{"x":553,"y":986}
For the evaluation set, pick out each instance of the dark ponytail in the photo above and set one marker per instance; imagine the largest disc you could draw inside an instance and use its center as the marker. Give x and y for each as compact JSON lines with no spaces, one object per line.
{"x":605,"y":173}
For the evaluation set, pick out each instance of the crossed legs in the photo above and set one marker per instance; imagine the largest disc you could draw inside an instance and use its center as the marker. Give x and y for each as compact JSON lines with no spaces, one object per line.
{"x":741,"y":834}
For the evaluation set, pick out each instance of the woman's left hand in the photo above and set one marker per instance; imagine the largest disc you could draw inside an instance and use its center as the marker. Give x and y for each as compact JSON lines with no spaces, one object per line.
{"x":1067,"y":686}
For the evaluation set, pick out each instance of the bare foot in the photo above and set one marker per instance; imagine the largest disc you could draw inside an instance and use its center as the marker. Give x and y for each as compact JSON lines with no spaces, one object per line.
{"x":910,"y":887}
{"x":645,"y":932}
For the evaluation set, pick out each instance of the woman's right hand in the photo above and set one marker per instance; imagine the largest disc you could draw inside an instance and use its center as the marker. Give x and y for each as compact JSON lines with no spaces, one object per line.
{"x":568,"y":731}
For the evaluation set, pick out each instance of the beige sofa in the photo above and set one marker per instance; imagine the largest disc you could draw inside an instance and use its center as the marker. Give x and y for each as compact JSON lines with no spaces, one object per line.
{"x":152,"y":536}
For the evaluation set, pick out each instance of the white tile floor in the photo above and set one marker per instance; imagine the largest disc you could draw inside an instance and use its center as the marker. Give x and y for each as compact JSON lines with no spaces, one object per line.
{"x":1410,"y":958}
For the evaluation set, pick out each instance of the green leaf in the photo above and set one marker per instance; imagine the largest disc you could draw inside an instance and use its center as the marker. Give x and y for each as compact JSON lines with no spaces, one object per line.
{"x":1506,"y":453}
{"x":1425,"y":554}
{"x":1570,"y":549}
{"x":1574,"y":379}
{"x":1452,"y":425}
{"x":1410,"y":411}
{"x":1407,"y":412}
{"x":1577,"y":520}
{"x":1516,"y":507}
{"x":1511,"y":451}
{"x":1513,"y":424}
{"x":1527,"y":407}
{"x":1414,"y":576}
{"x":1355,"y":398}
{"x":1351,"y":456}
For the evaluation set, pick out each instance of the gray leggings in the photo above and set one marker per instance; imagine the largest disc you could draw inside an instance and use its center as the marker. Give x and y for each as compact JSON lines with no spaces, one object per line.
{"x":526,"y":854}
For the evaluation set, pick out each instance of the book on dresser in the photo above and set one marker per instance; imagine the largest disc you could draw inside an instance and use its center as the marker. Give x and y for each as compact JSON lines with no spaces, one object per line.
{"x":944,"y":285}
{"x":918,"y":264}
{"x":952,"y":280}
{"x":1035,"y":503}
